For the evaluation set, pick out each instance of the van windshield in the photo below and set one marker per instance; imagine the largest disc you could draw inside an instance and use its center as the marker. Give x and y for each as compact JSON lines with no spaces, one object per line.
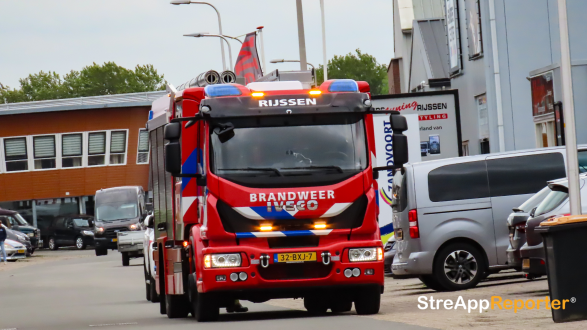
{"x":117,"y":204}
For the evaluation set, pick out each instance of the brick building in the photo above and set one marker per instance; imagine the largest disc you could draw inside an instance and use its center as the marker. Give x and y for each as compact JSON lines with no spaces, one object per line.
{"x":55,"y":154}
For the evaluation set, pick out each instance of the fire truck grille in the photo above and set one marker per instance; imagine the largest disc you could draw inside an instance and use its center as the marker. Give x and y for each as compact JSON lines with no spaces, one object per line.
{"x":111,"y":232}
{"x":285,"y":271}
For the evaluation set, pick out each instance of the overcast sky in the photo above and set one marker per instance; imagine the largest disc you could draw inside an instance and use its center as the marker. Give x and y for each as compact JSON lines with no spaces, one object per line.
{"x":62,"y":35}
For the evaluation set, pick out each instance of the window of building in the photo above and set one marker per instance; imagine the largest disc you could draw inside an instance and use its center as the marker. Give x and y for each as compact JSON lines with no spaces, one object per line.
{"x":453,"y":35}
{"x":474,"y":36}
{"x":458,"y":182}
{"x":143,"y":147}
{"x":545,"y":134}
{"x":71,"y":150}
{"x":15,"y":154}
{"x":96,"y":148}
{"x":465,"y":148}
{"x":523,"y":174}
{"x":117,"y":147}
{"x":44,"y":152}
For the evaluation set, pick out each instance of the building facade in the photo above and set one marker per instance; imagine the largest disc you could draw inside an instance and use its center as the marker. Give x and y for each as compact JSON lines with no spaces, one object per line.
{"x":54,"y":155}
{"x":503,"y":57}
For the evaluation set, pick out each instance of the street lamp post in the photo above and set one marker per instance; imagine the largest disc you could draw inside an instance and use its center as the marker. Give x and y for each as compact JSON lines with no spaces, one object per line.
{"x":324,"y":41}
{"x":187,"y":2}
{"x":569,"y":112}
{"x":199,"y":35}
{"x":301,"y":35}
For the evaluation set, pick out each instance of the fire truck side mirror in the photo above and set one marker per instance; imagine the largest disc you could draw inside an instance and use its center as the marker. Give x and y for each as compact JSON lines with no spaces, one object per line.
{"x":400,"y":141}
{"x":172,"y":131}
{"x":173,"y":158}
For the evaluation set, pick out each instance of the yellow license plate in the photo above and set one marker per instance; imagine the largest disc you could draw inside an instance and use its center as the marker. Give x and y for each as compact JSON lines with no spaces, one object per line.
{"x":526,"y":263}
{"x":115,"y":240}
{"x":21,"y":251}
{"x":295,"y":257}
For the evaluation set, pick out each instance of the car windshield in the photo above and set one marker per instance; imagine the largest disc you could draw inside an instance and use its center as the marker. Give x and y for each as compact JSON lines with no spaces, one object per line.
{"x":292,"y":147}
{"x":81,"y":222}
{"x":116,"y":211}
{"x":555,"y":197}
{"x":21,"y":221}
{"x":535,"y":200}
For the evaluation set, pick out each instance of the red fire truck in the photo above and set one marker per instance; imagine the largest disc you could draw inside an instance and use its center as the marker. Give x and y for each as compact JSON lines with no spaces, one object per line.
{"x":267,"y":191}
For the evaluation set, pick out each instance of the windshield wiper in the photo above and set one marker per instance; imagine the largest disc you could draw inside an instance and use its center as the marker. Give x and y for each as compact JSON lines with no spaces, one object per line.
{"x":327,"y":167}
{"x":263,"y":169}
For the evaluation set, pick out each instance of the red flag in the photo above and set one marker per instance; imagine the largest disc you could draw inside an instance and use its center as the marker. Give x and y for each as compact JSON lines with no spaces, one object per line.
{"x":247,"y":64}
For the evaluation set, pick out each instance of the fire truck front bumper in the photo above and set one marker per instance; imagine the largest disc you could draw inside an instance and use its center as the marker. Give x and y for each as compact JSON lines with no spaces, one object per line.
{"x":263,"y":273}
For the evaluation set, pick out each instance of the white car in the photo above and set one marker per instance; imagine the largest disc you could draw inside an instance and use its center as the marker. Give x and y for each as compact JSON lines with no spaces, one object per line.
{"x":149,"y":264}
{"x":14,"y":250}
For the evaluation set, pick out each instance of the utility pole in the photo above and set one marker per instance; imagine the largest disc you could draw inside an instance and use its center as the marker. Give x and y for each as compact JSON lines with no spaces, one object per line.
{"x":569,"y":111}
{"x":301,"y":36}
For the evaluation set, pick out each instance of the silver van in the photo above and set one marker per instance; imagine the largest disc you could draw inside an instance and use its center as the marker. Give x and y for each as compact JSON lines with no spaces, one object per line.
{"x":449,"y":215}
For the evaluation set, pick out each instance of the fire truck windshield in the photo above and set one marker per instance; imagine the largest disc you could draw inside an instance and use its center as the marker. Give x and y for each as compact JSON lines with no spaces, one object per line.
{"x":292,"y":151}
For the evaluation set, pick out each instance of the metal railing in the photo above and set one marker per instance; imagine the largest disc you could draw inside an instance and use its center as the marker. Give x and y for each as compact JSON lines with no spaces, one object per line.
{"x":82,"y":101}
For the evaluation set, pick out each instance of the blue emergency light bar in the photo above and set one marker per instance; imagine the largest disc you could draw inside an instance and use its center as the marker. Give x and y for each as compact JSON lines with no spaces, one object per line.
{"x":343,"y":85}
{"x":222,"y":90}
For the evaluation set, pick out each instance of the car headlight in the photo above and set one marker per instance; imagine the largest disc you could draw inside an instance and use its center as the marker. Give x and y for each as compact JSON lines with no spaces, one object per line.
{"x":222,"y":260}
{"x":365,"y":254}
{"x":99,"y":230}
{"x":134,"y":227}
{"x":31,"y":234}
{"x":87,"y":233}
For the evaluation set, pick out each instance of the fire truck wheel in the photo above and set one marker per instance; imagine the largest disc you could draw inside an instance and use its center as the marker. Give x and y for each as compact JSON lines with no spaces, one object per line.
{"x":341,"y":305}
{"x":125,"y":259}
{"x":204,"y":308}
{"x":368,"y":300}
{"x":176,"y":306}
{"x":315,"y":305}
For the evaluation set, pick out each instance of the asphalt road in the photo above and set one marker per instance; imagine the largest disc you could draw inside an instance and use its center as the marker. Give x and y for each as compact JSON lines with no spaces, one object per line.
{"x":88,"y":292}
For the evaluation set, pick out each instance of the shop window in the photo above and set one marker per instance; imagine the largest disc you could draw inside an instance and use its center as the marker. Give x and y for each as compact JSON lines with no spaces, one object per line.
{"x":71,"y":146}
{"x":44,"y":152}
{"x":96,"y":148}
{"x":15,"y":153}
{"x":117,"y":147}
{"x":143,"y":147}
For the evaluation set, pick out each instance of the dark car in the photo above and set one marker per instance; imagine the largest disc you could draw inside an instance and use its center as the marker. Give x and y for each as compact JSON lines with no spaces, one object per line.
{"x":118,"y":209}
{"x":556,"y":203}
{"x":389,"y":254}
{"x":21,"y":238}
{"x":71,"y":230}
{"x":516,"y":223}
{"x":15,"y":221}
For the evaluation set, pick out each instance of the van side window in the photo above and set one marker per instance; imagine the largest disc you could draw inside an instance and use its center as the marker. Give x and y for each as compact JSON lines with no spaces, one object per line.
{"x":523,"y":174}
{"x":458,"y":182}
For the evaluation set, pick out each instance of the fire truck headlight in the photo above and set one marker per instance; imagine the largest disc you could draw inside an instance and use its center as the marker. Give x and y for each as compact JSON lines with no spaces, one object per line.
{"x":362,"y":254}
{"x":224,"y":260}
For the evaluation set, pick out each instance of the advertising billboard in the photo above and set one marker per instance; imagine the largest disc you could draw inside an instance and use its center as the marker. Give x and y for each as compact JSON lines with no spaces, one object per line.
{"x":452,"y":31}
{"x":434,"y":132}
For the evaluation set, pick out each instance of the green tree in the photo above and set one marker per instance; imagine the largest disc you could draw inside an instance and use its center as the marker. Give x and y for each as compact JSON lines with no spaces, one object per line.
{"x":359,"y":66}
{"x":92,"y":80}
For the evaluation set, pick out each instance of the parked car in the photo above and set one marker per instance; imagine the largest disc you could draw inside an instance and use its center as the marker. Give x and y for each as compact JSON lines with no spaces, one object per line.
{"x":71,"y":230}
{"x":14,"y":250}
{"x":556,"y":203}
{"x":19,"y":237}
{"x":389,"y":253}
{"x":449,"y":214}
{"x":118,"y":209}
{"x":516,"y":224}
{"x":15,"y":221}
{"x":149,"y":264}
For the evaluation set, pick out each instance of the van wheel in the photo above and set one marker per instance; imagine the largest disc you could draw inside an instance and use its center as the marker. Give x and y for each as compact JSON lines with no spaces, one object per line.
{"x":79,"y":243}
{"x":368,"y":301}
{"x":101,"y":252}
{"x":153,"y":289}
{"x":147,"y":285}
{"x":459,"y":266}
{"x":430,"y":282}
{"x":52,"y":245}
{"x":125,"y":259}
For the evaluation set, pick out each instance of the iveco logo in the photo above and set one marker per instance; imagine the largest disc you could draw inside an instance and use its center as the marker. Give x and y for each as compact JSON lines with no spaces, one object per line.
{"x":292,"y":206}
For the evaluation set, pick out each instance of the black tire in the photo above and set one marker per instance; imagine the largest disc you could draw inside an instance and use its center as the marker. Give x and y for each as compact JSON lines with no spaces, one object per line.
{"x":161,"y":269}
{"x":316,"y":305}
{"x":177,"y":306}
{"x":52,"y":244}
{"x":32,"y":251}
{"x":203,"y":306}
{"x":431,"y":283}
{"x":79,"y":243}
{"x":368,"y":301}
{"x":341,"y":305}
{"x":125,"y":259}
{"x":153,"y":289}
{"x":147,"y":284}
{"x":467,"y":264}
{"x":101,"y":252}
